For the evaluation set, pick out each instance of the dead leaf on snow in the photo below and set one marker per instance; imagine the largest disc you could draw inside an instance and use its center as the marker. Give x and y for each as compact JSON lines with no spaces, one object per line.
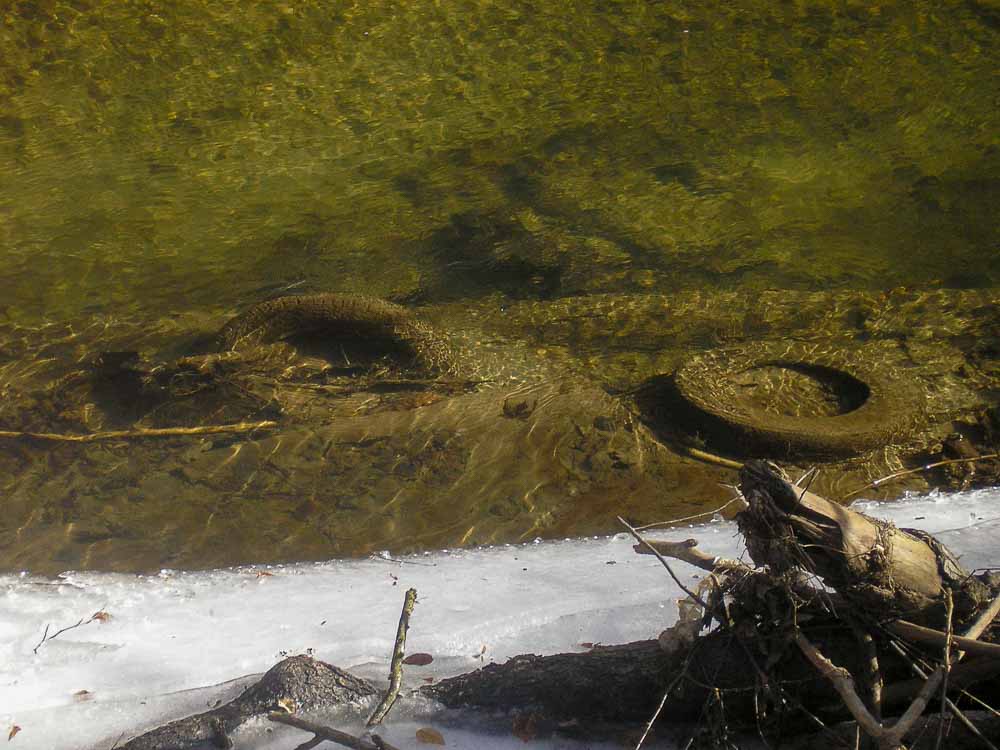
{"x":418,"y":660}
{"x":429,"y":736}
{"x":525,"y":726}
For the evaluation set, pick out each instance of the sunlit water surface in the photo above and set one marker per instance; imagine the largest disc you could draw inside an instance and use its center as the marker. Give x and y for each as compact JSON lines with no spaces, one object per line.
{"x":188,"y":158}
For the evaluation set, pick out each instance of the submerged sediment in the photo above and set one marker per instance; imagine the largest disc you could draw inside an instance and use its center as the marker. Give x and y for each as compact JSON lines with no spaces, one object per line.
{"x":406,"y":428}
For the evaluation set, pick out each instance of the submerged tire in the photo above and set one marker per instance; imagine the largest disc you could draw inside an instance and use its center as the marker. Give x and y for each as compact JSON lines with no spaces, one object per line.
{"x":340,"y":316}
{"x":872,"y":410}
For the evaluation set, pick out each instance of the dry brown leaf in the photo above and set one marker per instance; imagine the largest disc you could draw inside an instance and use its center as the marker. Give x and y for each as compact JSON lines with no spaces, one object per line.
{"x":418,"y":660}
{"x":264,"y":574}
{"x":525,"y":726}
{"x":101,"y":616}
{"x":82,"y":695}
{"x":13,"y":730}
{"x":429,"y":736}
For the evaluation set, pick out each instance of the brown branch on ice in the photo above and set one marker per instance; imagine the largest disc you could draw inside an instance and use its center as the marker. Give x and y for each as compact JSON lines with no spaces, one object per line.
{"x":396,"y":667}
{"x":687,"y":551}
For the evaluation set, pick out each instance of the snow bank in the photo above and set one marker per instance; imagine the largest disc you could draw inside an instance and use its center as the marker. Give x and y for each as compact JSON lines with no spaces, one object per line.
{"x":175,"y":631}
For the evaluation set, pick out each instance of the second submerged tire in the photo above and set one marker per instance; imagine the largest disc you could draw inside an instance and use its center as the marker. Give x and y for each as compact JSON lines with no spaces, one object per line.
{"x":876,"y":409}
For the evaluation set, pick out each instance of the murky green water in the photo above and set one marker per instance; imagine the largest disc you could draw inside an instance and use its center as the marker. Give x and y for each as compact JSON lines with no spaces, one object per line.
{"x":170,"y":155}
{"x":174,"y":158}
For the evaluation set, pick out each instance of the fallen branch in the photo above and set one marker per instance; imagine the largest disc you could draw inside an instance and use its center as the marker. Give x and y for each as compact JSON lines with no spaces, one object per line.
{"x":94,"y":437}
{"x":920,"y":634}
{"x":955,"y":710}
{"x":687,"y":551}
{"x":751,"y":659}
{"x":888,"y":737}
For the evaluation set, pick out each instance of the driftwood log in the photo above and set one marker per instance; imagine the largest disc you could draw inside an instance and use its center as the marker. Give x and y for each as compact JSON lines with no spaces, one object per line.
{"x":893,"y":600}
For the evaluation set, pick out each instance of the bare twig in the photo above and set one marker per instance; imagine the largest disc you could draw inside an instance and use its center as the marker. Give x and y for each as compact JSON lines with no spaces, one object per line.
{"x":663,"y":561}
{"x":985,"y":619}
{"x":141,"y":433}
{"x":874,"y":669}
{"x":919,"y":634}
{"x":387,"y":558}
{"x":329,"y":733}
{"x":663,"y":702}
{"x":843,"y":683}
{"x":950,"y":611}
{"x":396,"y":667}
{"x":808,"y":484}
{"x":925,"y":467}
{"x":100,"y":615}
{"x":690,"y":518}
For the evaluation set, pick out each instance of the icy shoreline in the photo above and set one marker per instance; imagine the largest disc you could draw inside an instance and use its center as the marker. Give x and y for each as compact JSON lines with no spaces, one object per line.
{"x":176,"y":631}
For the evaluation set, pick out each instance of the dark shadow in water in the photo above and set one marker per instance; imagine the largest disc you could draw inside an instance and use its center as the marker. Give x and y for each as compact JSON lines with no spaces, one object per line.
{"x":479,"y":253}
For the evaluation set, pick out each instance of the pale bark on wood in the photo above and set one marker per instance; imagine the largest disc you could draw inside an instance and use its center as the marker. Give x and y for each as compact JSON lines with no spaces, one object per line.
{"x":878,"y":568}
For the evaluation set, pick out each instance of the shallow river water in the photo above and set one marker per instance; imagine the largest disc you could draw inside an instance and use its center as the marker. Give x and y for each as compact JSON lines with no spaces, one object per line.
{"x":594,"y":187}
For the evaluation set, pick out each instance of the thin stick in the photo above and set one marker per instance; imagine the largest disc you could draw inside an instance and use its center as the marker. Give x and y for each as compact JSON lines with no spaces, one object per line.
{"x":46,"y":637}
{"x":950,"y":611}
{"x":396,"y":667}
{"x":329,"y":733}
{"x":688,"y":518}
{"x":919,"y":634}
{"x":874,"y":669}
{"x":844,"y":684}
{"x":711,"y":458}
{"x":663,"y":700}
{"x":141,"y":433}
{"x":663,"y":561}
{"x":812,"y":474}
{"x":925,"y":467}
{"x":985,"y":619}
